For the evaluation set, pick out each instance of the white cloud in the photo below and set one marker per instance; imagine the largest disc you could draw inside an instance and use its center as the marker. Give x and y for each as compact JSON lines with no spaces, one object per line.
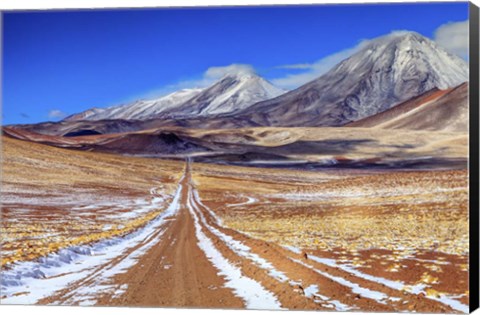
{"x":56,"y":114}
{"x":216,"y":73}
{"x":314,"y":70}
{"x":453,"y":36}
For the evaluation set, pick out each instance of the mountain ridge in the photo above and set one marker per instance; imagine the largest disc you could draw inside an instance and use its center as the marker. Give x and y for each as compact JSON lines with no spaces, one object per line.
{"x":385,"y":72}
{"x":229,"y":93}
{"x":233,"y":92}
{"x":140,"y":109}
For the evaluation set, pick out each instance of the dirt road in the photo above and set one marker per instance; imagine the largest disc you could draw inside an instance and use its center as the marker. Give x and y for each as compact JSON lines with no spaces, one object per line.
{"x":186,"y":258}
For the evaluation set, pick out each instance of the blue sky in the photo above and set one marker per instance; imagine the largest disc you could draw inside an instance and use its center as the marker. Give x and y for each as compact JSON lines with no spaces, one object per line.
{"x":58,"y":63}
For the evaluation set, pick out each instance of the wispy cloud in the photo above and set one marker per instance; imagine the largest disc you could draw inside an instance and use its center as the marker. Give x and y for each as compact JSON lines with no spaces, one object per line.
{"x":314,"y":70}
{"x":56,"y":114}
{"x":453,"y":36}
{"x":296,"y":66}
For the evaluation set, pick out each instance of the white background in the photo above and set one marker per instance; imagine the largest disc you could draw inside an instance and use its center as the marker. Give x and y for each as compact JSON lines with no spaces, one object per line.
{"x":58,"y":4}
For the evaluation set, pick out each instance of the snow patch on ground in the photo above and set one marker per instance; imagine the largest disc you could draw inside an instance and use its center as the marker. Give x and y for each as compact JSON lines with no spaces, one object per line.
{"x":243,"y":250}
{"x":249,"y":201}
{"x":251,"y":292}
{"x":42,"y":278}
{"x":360,"y":193}
{"x":197,"y":199}
{"x":396,"y":285}
{"x":311,"y":290}
{"x":364,"y":292}
{"x":294,"y":249}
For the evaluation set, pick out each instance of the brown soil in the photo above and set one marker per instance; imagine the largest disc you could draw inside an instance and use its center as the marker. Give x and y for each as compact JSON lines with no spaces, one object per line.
{"x":176,"y":273}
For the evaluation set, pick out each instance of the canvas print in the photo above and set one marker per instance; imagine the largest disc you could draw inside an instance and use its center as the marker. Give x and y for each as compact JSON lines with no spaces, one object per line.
{"x":268,"y":157}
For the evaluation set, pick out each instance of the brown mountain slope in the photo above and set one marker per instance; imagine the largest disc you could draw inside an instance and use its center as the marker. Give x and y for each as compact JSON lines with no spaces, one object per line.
{"x":441,"y":110}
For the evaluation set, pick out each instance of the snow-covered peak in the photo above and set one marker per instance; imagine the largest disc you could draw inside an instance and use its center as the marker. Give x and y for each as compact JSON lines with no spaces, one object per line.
{"x":390,"y":69}
{"x":233,"y":92}
{"x":242,"y":76}
{"x":383,"y":72}
{"x":409,"y":52}
{"x":150,"y":108}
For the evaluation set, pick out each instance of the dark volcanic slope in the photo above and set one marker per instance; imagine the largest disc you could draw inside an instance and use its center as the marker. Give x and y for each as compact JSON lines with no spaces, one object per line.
{"x":278,"y":147}
{"x":441,"y":110}
{"x":156,"y":143}
{"x":149,"y":142}
{"x":83,"y":128}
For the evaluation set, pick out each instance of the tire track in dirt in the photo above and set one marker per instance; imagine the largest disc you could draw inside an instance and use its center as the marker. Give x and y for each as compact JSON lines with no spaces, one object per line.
{"x":176,"y":272}
{"x":290,"y":293}
{"x":192,"y":257}
{"x":334,"y":283}
{"x":76,"y":293}
{"x":251,"y":266}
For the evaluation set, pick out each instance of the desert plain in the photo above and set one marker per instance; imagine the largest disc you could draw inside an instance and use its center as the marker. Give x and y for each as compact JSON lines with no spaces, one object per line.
{"x":96,"y":228}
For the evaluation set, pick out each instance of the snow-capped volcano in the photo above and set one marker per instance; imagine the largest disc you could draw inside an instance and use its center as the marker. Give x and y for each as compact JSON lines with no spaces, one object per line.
{"x":231,"y":93}
{"x":385,"y":72}
{"x":398,"y":67}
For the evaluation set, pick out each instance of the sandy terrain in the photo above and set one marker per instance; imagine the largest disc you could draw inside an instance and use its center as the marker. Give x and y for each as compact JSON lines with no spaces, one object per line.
{"x":52,"y":198}
{"x":223,"y":236}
